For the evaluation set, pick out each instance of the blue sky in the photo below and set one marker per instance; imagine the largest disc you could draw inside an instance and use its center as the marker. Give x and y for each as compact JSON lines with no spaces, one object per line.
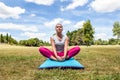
{"x":24,"y":19}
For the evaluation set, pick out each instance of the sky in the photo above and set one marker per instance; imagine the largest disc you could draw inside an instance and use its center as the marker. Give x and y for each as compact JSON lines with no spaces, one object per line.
{"x":24,"y":19}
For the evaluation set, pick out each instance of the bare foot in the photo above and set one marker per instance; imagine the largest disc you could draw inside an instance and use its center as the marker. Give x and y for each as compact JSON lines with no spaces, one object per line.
{"x":67,"y":57}
{"x":53,"y":58}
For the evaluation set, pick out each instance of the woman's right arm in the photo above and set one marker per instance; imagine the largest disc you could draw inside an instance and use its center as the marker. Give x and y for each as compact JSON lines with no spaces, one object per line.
{"x":53,"y":46}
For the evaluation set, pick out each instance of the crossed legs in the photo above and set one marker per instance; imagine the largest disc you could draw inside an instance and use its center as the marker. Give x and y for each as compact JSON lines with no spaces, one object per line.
{"x":50,"y":54}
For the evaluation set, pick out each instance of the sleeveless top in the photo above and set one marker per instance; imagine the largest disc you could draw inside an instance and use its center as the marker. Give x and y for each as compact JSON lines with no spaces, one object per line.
{"x":59,"y":44}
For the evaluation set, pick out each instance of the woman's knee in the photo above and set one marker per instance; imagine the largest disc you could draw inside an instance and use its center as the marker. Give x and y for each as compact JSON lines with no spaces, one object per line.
{"x":44,"y":51}
{"x":77,"y":48}
{"x":41,"y":49}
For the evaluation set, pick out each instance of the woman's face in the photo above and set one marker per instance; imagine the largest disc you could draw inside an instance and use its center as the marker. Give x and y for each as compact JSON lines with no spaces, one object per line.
{"x":59,"y":28}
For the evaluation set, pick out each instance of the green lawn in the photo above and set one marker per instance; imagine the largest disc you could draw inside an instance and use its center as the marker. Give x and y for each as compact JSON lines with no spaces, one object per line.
{"x":21,"y":63}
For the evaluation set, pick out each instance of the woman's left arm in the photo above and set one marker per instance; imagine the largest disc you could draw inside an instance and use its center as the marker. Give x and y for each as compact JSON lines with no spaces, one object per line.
{"x":66,"y":47}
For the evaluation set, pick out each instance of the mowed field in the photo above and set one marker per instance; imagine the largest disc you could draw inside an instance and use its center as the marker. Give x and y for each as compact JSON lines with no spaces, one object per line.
{"x":21,"y":63}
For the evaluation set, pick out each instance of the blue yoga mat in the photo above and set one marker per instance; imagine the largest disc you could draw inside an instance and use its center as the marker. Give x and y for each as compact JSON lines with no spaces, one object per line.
{"x":71,"y":63}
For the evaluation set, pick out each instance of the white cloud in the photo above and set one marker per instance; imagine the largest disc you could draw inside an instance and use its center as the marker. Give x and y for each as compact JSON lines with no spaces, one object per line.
{"x":42,"y":2}
{"x":34,"y":35}
{"x":63,"y":0}
{"x":103,"y":29}
{"x":74,"y":4}
{"x":105,"y":5}
{"x":66,"y":22}
{"x":11,"y":26}
{"x":7,"y":12}
{"x":16,"y":38}
{"x":103,"y":33}
{"x":4,"y":33}
{"x":101,"y":36}
{"x":80,"y":12}
{"x":32,"y":15}
{"x":79,"y":24}
{"x":55,"y":21}
{"x":62,"y":8}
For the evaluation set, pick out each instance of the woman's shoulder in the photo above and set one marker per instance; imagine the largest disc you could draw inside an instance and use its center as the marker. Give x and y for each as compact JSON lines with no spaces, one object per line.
{"x":65,"y":36}
{"x":53,"y":36}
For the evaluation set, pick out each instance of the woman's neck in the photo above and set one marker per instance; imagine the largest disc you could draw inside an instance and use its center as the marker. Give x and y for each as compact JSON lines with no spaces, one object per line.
{"x":59,"y":34}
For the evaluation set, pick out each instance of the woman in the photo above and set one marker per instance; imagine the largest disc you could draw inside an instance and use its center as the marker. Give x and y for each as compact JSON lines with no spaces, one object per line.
{"x":59,"y":44}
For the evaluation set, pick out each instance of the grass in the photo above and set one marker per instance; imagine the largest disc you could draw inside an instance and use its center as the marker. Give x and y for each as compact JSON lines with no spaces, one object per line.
{"x":21,"y":63}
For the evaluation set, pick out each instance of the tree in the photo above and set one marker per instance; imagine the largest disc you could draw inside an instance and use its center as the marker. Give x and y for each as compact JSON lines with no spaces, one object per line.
{"x":116,"y":30}
{"x":13,"y":41}
{"x":37,"y":43}
{"x":7,"y":38}
{"x":88,"y":33}
{"x":112,"y":41}
{"x":98,"y":42}
{"x":79,"y":36}
{"x":69,"y":36}
{"x":10,"y":40}
{"x":33,"y":42}
{"x":75,"y":37}
{"x":2,"y":38}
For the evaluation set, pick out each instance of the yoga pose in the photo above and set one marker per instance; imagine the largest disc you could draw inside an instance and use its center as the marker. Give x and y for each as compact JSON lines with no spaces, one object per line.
{"x":59,"y":44}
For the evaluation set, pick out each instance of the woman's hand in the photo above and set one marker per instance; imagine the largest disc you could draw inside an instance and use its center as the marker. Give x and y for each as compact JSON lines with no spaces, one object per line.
{"x":59,"y":58}
{"x":63,"y":57}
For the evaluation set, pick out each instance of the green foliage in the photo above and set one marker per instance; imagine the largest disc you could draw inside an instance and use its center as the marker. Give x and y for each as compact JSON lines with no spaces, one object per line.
{"x":112,"y":41}
{"x":33,"y":42}
{"x":116,"y":30}
{"x":82,"y":36}
{"x":88,"y":33}
{"x":75,"y":37}
{"x":101,"y":42}
{"x":1,"y":38}
{"x":30,"y":42}
{"x":7,"y":39}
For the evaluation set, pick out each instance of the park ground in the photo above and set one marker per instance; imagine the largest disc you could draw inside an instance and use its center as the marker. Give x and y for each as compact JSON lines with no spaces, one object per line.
{"x":21,"y":63}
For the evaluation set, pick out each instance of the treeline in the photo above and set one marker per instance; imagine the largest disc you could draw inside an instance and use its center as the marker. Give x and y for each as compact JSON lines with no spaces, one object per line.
{"x":7,"y":39}
{"x":76,"y":38}
{"x":81,"y":36}
{"x":84,"y":36}
{"x":111,"y":41}
{"x":33,"y":42}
